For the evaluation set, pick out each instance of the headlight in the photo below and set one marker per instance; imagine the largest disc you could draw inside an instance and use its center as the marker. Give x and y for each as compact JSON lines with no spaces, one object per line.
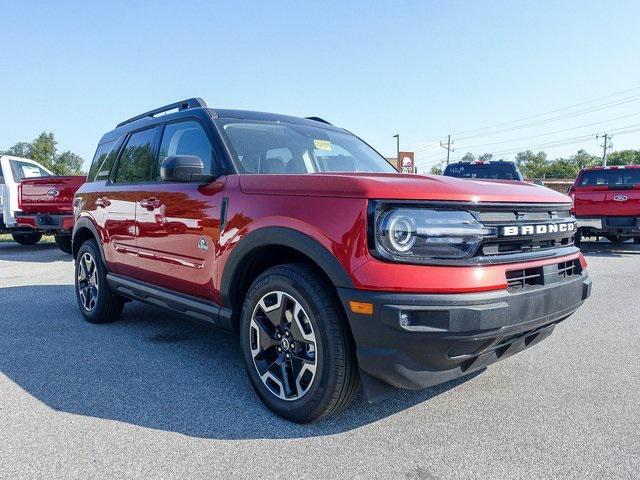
{"x":419,"y":235}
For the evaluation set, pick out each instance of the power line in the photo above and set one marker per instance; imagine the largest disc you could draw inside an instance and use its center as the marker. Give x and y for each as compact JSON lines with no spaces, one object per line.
{"x":433,"y":143}
{"x":552,"y":111}
{"x":550,"y":133}
{"x":447,"y":146}
{"x":605,"y":147}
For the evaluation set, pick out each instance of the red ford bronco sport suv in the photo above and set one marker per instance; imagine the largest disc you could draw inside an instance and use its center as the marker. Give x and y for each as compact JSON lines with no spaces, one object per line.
{"x":333,"y":268}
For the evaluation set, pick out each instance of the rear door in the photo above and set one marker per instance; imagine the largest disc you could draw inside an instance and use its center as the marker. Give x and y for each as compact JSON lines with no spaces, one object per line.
{"x":179,"y":223}
{"x":118,"y":200}
{"x":608,"y":192}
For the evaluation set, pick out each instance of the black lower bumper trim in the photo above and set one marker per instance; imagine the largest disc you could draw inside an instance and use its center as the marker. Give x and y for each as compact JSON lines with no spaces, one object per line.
{"x":419,"y":340}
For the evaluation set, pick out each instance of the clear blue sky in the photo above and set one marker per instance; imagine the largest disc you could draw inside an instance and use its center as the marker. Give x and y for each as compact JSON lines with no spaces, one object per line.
{"x":422,"y":68}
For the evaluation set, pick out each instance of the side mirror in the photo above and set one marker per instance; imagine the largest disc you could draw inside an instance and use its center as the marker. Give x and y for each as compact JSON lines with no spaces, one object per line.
{"x":183,"y":168}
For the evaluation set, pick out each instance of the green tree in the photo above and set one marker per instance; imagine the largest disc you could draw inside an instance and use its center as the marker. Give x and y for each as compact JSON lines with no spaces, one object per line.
{"x":532,"y":165}
{"x":624,"y":157}
{"x":44,"y":150}
{"x":67,"y":163}
{"x":20,"y":149}
{"x":485,"y":157}
{"x":468,"y":157}
{"x":437,"y":169}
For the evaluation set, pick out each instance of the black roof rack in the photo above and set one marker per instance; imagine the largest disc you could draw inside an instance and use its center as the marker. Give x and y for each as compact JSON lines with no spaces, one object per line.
{"x":318,"y":119}
{"x":182,"y":105}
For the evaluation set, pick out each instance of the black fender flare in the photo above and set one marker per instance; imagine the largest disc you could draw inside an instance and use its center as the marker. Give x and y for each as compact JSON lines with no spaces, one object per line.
{"x":286,"y":237}
{"x":86,"y":223}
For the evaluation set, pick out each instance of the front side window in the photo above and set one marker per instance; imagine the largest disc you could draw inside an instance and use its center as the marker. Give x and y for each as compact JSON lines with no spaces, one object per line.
{"x":281,"y":148}
{"x":136,"y":161}
{"x":186,"y":138}
{"x":22,"y":170}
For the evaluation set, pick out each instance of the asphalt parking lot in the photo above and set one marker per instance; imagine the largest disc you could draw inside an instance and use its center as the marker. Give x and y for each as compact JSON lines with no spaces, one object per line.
{"x":153,"y":396}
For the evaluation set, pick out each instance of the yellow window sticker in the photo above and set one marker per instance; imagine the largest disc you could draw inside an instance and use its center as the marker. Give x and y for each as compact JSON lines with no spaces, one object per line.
{"x":322,"y":145}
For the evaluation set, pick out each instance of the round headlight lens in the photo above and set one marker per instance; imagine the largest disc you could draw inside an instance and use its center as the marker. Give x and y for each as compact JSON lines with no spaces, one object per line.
{"x":401,"y":232}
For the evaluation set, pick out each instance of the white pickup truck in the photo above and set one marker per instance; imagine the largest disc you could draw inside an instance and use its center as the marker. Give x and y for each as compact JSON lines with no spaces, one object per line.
{"x":35,"y":202}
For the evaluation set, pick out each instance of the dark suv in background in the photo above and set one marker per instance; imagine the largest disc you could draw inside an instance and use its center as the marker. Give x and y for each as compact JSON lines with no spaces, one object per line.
{"x":332,"y":267}
{"x":493,"y":170}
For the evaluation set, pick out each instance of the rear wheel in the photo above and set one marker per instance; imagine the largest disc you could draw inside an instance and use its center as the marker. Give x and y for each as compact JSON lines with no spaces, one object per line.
{"x":30,"y":238}
{"x":296,"y":346}
{"x":64,"y":243}
{"x":97,"y":302}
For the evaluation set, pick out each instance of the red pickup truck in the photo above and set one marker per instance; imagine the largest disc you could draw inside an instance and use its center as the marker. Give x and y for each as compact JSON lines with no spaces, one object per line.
{"x":34,"y":202}
{"x":607,"y":203}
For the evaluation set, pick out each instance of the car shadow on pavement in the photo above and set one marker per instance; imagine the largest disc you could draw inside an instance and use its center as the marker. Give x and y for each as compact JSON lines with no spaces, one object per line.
{"x":43,"y":252}
{"x":152,"y":369}
{"x":605,"y":248}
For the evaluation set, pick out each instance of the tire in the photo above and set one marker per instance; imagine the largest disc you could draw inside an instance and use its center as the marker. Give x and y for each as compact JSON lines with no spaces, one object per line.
{"x":63,"y":242}
{"x":97,"y":302}
{"x":577,"y":239}
{"x":327,"y":380}
{"x":30,"y":238}
{"x":636,"y":240}
{"x":617,"y":238}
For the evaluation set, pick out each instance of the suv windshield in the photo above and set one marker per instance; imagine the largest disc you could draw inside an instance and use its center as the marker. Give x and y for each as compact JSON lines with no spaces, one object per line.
{"x":281,"y":148}
{"x":618,"y":176}
{"x":498,"y":171}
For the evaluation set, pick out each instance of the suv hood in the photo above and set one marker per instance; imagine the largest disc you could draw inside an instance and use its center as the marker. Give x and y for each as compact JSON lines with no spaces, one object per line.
{"x":399,"y":187}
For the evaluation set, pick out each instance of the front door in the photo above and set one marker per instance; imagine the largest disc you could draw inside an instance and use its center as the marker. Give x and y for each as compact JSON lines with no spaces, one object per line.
{"x":118,"y":201}
{"x":178,"y":223}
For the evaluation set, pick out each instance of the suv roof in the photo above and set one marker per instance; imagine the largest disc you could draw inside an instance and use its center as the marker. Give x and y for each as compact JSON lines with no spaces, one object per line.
{"x":609,"y":167}
{"x":197,"y":107}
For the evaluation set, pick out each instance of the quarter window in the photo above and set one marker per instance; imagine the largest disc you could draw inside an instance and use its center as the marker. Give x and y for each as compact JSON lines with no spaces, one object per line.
{"x":186,"y":138}
{"x":136,"y":161}
{"x":100,"y":166}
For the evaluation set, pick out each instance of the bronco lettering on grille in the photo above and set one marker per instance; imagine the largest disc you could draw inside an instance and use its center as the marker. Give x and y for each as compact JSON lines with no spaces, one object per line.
{"x":543,"y":229}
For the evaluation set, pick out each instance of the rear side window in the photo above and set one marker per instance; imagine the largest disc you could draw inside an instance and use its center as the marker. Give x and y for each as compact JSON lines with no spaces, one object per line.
{"x":186,"y":138}
{"x":136,"y":160}
{"x":23,"y":170}
{"x":618,"y":176}
{"x":100,"y":165}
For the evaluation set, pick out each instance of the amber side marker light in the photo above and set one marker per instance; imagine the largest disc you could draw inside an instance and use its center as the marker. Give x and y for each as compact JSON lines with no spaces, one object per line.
{"x":363,"y":308}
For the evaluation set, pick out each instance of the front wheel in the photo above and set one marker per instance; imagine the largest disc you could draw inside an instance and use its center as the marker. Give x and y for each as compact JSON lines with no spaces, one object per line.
{"x":30,"y":238}
{"x":63,"y":242}
{"x":97,"y":302}
{"x":296,"y":346}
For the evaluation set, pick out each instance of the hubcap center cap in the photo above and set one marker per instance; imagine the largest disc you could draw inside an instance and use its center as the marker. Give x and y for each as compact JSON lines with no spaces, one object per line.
{"x":284,"y":343}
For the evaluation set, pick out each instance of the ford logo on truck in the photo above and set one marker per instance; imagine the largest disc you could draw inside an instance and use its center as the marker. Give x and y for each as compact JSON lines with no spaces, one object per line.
{"x":53,"y":192}
{"x":621,"y":198}
{"x":540,"y":229}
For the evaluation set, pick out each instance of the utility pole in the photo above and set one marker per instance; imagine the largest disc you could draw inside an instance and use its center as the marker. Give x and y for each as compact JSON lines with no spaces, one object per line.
{"x":606,"y":146}
{"x":447,"y":146}
{"x":397,"y":137}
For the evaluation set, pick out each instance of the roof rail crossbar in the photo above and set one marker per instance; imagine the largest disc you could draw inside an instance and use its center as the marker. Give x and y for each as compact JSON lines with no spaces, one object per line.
{"x":318,"y":119}
{"x":181,"y":105}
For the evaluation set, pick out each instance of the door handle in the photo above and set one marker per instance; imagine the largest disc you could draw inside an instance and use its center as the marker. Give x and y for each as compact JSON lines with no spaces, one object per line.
{"x":150,"y":203}
{"x":102,"y":202}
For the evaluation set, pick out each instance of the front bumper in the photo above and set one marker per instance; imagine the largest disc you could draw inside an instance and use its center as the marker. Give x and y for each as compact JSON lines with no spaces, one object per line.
{"x":418,"y":340}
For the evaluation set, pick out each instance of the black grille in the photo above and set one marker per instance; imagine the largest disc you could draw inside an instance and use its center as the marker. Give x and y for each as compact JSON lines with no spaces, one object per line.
{"x":569,"y":269}
{"x":523,"y":277}
{"x":524,"y":246}
{"x":529,"y":277}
